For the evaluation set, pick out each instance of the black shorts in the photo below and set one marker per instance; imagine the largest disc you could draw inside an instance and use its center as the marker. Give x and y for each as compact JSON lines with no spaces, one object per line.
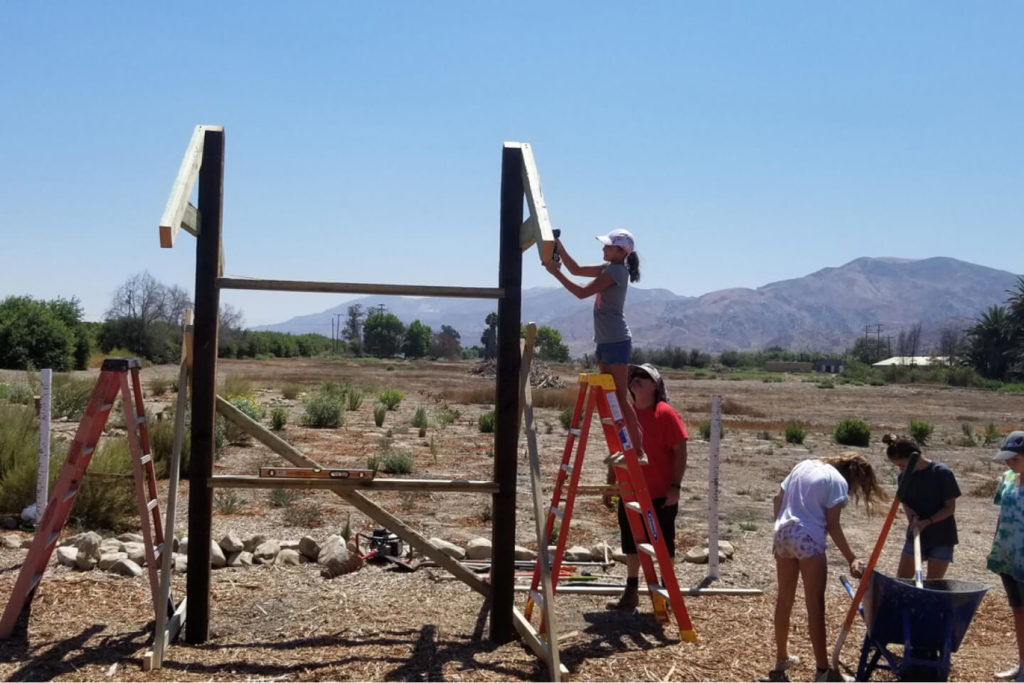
{"x":1014,"y":590}
{"x":666,"y":515}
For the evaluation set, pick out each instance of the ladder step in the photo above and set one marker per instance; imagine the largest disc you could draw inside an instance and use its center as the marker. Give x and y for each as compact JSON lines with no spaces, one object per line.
{"x":536,"y":596}
{"x":34,"y":582}
{"x":567,"y":469}
{"x":106,"y":406}
{"x":140,"y":420}
{"x":88,"y":450}
{"x":557,"y":511}
{"x":632,"y":505}
{"x":615,"y":458}
{"x":70,"y":494}
{"x":607,"y":421}
{"x":575,"y":432}
{"x":146,"y":459}
{"x":151,"y":505}
{"x":658,"y":589}
{"x":646,"y":548}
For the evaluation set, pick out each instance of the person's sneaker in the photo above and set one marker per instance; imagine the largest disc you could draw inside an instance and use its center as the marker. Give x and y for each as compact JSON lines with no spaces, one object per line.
{"x":629,"y":599}
{"x":1009,"y":674}
{"x":777,"y":676}
{"x":831,"y":675}
{"x":788,"y":662}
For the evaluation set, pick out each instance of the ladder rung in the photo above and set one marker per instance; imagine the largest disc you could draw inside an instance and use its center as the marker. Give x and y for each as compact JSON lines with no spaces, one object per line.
{"x":557,"y":511}
{"x":607,"y":421}
{"x":658,"y":589}
{"x":632,"y":505}
{"x":88,"y":450}
{"x":34,"y":582}
{"x":567,"y":469}
{"x":106,"y":406}
{"x":140,"y":420}
{"x":646,"y":548}
{"x":146,"y":459}
{"x":54,"y":535}
{"x":615,"y":458}
{"x":151,"y":505}
{"x":575,"y":432}
{"x":537,"y":598}
{"x":70,"y":494}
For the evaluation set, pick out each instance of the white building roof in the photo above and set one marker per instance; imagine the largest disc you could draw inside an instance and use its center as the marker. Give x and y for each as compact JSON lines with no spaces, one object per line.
{"x":912,"y":360}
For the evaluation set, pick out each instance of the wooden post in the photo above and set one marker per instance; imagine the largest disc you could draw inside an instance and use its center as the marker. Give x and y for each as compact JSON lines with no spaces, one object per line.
{"x":506,"y":423}
{"x":200,"y":501}
{"x":43,"y":472}
{"x":713,"y":461}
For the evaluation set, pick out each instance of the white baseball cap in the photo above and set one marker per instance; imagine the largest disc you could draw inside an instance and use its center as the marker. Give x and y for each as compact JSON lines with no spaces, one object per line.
{"x":618,"y":238}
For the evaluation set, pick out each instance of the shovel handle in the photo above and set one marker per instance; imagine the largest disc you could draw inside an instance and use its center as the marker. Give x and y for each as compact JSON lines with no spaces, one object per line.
{"x":917,"y":559}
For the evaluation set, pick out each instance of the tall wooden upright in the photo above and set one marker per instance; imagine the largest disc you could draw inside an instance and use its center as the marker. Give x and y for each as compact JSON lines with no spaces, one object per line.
{"x":200,"y":502}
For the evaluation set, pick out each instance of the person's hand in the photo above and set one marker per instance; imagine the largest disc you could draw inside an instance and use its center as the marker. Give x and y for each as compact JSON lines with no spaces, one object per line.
{"x":672,"y":497}
{"x":857,"y":568}
{"x":553,"y":266}
{"x":606,"y":497}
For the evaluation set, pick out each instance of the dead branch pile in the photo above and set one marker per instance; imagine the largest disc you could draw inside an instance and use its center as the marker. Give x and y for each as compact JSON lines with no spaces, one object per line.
{"x":541,"y":376}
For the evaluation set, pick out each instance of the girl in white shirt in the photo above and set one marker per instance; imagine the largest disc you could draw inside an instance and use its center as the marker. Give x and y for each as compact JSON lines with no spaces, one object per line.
{"x":807,"y":508}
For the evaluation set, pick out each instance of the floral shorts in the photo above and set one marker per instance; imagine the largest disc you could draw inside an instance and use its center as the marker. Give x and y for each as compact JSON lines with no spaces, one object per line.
{"x":794,"y":542}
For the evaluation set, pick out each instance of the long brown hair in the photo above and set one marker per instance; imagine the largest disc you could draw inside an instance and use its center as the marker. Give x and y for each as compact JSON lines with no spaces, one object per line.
{"x":860,"y":477}
{"x":633,"y":266}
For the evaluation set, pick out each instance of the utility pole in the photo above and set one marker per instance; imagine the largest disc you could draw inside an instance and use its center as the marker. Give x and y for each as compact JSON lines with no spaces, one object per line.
{"x":337,"y":336}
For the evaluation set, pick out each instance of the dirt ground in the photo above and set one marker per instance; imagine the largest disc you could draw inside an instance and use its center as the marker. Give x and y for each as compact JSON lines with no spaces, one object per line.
{"x":278,"y":623}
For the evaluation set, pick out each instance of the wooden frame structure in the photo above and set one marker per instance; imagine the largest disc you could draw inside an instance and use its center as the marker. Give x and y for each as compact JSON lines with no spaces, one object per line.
{"x":204,"y":163}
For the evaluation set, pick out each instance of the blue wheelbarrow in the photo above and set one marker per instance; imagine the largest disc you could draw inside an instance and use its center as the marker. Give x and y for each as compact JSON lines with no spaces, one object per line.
{"x":929,"y":622}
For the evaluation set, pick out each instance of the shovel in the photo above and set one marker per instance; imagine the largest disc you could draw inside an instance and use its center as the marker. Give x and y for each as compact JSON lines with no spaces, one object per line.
{"x":917,"y":559}
{"x":852,"y":612}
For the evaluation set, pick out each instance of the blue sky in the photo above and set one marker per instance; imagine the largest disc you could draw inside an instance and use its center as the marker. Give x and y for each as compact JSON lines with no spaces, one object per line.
{"x":742,"y":143}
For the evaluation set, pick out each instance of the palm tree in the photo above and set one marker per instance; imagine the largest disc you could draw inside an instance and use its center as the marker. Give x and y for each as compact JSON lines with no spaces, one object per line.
{"x":991,"y":343}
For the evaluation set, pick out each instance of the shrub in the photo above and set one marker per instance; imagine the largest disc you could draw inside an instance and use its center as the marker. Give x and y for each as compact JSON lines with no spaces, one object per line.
{"x":251,"y":408}
{"x":390,"y":398}
{"x":161,"y":441}
{"x":355,"y":398}
{"x":446,"y":415}
{"x":106,"y":499}
{"x":333,"y":389}
{"x":852,"y":432}
{"x":158,"y":386}
{"x":324,"y":411}
{"x":235,"y":386}
{"x":379,"y":411}
{"x":228,"y":501}
{"x":396,"y":462}
{"x":565,"y":417}
{"x":69,"y":396}
{"x":486,"y":422}
{"x":920,"y":431}
{"x":704,"y":428}
{"x":20,"y":394}
{"x":306,"y":514}
{"x":419,"y":418}
{"x":291,"y":391}
{"x":795,"y":433}
{"x":278,"y":418}
{"x":992,"y":435}
{"x":282,"y":498}
{"x":19,"y":444}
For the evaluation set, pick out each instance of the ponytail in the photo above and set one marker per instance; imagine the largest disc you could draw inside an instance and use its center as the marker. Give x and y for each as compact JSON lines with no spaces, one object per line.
{"x":860,"y":478}
{"x":900,"y":447}
{"x":633,"y":266}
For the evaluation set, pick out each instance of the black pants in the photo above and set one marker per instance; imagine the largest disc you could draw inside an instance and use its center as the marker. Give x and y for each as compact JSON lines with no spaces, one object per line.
{"x":666,"y":515}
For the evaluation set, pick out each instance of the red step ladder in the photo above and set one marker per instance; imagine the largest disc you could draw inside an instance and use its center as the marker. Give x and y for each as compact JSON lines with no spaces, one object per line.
{"x":597,"y":392}
{"x":117,"y":376}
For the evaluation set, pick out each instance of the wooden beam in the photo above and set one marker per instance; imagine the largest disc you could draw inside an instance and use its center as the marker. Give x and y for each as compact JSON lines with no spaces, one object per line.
{"x":540,"y":221}
{"x":565,"y":589}
{"x":354,"y":498}
{"x":532,"y":638}
{"x":178,"y":202}
{"x":379,"y":484}
{"x":359,"y":288}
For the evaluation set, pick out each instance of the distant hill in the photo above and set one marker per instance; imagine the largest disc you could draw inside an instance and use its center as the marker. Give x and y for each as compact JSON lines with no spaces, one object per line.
{"x":826,"y":310}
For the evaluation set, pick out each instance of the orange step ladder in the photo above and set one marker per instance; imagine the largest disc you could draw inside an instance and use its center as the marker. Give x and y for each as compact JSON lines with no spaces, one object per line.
{"x":117,"y":376}
{"x":597,"y":393}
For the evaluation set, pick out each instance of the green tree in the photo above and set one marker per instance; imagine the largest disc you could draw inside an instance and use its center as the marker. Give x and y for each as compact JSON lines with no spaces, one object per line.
{"x":34,"y":334}
{"x":869,"y":350}
{"x":490,"y":336}
{"x":417,"y":340}
{"x":549,"y":345}
{"x":990,"y":343}
{"x":382,"y":334}
{"x":446,"y":343}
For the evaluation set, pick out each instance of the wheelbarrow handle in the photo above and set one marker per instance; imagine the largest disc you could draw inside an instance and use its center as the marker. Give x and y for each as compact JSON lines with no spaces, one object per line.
{"x":862,"y":586}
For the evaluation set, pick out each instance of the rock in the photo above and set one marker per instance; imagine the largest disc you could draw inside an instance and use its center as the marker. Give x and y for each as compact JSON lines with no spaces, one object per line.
{"x":266,"y":552}
{"x":253,"y":542}
{"x":131,"y":538}
{"x":111,"y":545}
{"x":108,"y":560}
{"x":217,"y":557}
{"x":88,"y":544}
{"x":136,"y":552}
{"x":26,"y":543}
{"x":183,"y":546}
{"x":289,"y":544}
{"x":577,"y":553}
{"x":231,"y":543}
{"x":11,"y":541}
{"x":240,"y":559}
{"x":126,"y":568}
{"x":9,"y":523}
{"x":601,"y":550}
{"x":66,"y":555}
{"x":727,"y":548}
{"x":309,"y":548}
{"x":85,"y":561}
{"x":449,"y":549}
{"x":288,"y":557}
{"x":180,"y":563}
{"x":525,"y":554}
{"x":478,"y":549}
{"x":618,"y":556}
{"x":337,"y":559}
{"x":29,"y":514}
{"x":697,"y":555}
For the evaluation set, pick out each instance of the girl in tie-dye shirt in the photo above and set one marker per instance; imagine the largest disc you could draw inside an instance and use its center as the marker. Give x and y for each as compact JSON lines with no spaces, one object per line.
{"x":1007,"y":555}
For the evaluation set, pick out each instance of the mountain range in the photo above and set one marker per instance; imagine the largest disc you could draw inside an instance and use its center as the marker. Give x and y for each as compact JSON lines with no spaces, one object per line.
{"x":824,"y":311}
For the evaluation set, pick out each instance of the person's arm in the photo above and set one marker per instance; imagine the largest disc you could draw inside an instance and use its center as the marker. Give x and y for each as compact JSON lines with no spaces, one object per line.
{"x":573,"y":267}
{"x":678,"y":472}
{"x":947,"y":510}
{"x":777,"y":503}
{"x":835,"y":530}
{"x":598,"y":284}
